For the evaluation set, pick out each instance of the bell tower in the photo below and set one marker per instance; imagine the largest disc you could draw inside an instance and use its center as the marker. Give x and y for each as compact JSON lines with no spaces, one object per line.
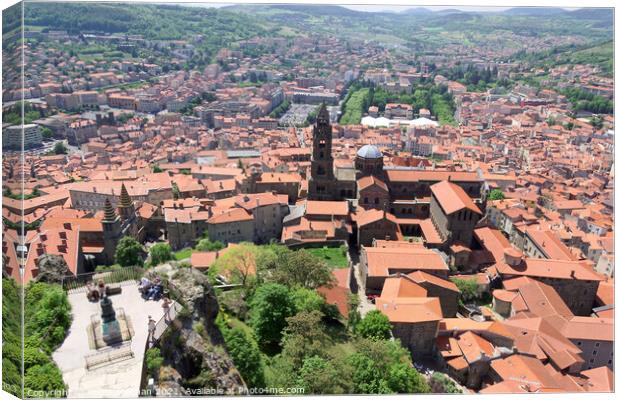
{"x":322,"y":180}
{"x":111,"y":231}
{"x":125,"y":205}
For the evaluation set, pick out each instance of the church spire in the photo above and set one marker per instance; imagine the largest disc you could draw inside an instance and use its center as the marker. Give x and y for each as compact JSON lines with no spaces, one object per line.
{"x":125,"y":200}
{"x":109,"y":213}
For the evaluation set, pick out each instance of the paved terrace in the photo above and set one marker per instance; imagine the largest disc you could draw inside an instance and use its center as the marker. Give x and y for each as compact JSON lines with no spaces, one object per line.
{"x":118,"y":379}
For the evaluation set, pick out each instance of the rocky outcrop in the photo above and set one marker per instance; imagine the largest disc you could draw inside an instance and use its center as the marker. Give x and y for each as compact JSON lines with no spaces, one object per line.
{"x":52,"y":268}
{"x":169,"y":383}
{"x":193,"y":345}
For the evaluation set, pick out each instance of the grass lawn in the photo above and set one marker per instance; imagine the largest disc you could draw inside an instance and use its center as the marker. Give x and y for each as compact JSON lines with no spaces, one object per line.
{"x":333,"y":256}
{"x":183,"y":254}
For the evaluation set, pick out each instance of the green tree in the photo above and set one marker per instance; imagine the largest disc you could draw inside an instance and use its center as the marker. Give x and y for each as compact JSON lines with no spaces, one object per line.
{"x":270,"y":306}
{"x":307,"y":300}
{"x":404,"y":379}
{"x":160,"y":253}
{"x":496,"y":194}
{"x":128,"y":252}
{"x":375,"y":325}
{"x":238,"y":264}
{"x":47,"y":315}
{"x":46,"y":132}
{"x":319,"y":376}
{"x":246,"y":356}
{"x":304,"y":337}
{"x":207,"y":245}
{"x":301,"y":268}
{"x":367,"y":379}
{"x":46,"y":378}
{"x":59,"y":148}
{"x":467,"y":287}
{"x":157,"y":168}
{"x":354,"y":313}
{"x":383,"y":366}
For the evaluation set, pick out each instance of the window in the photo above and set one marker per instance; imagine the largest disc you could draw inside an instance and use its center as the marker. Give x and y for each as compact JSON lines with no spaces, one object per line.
{"x":597,"y":344}
{"x":592,"y":361}
{"x":376,"y":200}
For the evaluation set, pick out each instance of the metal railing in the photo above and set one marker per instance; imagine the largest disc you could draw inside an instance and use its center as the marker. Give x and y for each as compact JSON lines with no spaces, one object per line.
{"x":74,"y":282}
{"x":163,"y":323}
{"x":109,"y":355}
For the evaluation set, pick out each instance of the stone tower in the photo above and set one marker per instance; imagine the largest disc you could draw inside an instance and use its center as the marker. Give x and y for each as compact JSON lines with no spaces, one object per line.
{"x":322,"y":181}
{"x":111,"y":231}
{"x":125,"y":205}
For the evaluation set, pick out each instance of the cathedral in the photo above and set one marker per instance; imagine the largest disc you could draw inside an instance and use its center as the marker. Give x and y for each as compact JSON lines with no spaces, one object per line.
{"x":116,"y":226}
{"x":325,"y":183}
{"x":411,"y":195}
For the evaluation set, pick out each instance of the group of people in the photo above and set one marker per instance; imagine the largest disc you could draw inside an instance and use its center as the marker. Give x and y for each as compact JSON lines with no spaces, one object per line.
{"x":151,"y":290}
{"x":95,"y":292}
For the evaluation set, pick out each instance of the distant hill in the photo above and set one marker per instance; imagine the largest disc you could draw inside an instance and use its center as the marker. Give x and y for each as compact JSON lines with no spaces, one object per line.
{"x":150,"y":20}
{"x":417,"y":11}
{"x":604,"y":15}
{"x":535,"y":11}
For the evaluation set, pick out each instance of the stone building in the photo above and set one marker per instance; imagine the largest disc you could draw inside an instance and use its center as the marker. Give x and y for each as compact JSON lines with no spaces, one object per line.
{"x":323,"y":183}
{"x":453,"y":213}
{"x":575,"y":282}
{"x":414,"y":317}
{"x":372,"y":193}
{"x":446,"y":291}
{"x":378,"y":263}
{"x":372,"y":224}
{"x":232,"y":226}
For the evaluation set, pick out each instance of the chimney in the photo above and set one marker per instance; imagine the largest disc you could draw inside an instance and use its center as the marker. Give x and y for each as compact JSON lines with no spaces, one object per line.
{"x":572,"y":274}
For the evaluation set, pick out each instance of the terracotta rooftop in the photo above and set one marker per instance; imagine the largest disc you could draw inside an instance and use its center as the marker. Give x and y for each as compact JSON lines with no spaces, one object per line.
{"x":410,"y":309}
{"x":386,"y":261}
{"x":452,"y":198}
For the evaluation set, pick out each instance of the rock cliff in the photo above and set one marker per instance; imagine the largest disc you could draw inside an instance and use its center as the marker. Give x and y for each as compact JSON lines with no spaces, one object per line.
{"x":193,"y":345}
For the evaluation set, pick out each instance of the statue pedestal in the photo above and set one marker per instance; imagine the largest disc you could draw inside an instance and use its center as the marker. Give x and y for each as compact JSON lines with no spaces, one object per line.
{"x":110,"y":327}
{"x":111,"y":332}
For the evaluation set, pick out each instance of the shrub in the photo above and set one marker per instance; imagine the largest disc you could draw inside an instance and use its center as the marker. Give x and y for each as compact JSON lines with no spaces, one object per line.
{"x":246,"y":356}
{"x":128,"y":252}
{"x":154,"y":360}
{"x":270,"y":307}
{"x":160,"y":253}
{"x":468,"y":288}
{"x":45,"y":377}
{"x":440,"y":383}
{"x":375,"y":325}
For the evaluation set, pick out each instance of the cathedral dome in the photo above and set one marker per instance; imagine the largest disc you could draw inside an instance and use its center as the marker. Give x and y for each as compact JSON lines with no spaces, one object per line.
{"x":369,"y":151}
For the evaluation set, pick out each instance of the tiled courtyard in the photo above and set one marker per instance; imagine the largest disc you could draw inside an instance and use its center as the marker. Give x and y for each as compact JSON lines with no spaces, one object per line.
{"x":115,"y":380}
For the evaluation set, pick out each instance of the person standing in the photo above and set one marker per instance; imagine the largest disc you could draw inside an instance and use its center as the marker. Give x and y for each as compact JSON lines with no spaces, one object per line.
{"x":166,"y":306}
{"x":151,"y":330}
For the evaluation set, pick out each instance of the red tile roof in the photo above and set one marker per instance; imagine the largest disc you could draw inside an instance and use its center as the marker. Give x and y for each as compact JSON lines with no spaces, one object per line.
{"x":452,"y":198}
